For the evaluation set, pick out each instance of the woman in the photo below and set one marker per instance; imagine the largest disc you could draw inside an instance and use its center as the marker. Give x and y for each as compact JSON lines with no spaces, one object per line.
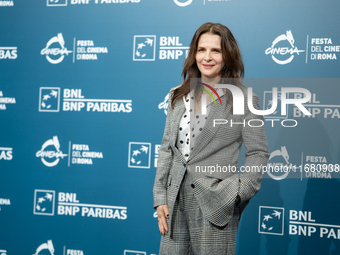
{"x":199,"y":209}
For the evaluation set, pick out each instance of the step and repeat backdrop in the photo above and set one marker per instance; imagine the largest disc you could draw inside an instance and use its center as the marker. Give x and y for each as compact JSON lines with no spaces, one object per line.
{"x":83,"y":100}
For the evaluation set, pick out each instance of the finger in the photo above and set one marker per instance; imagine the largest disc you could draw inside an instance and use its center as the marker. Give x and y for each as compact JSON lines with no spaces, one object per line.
{"x":165,"y":225}
{"x":162,"y":211}
{"x":160,"y":216}
{"x":166,"y":211}
{"x":165,"y":215}
{"x":160,"y":226}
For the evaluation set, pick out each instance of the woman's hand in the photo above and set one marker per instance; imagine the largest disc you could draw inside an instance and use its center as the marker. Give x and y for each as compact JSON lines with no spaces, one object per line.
{"x":163,"y":214}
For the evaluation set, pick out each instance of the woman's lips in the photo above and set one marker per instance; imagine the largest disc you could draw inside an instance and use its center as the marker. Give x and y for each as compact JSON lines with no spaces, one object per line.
{"x":208,"y":66}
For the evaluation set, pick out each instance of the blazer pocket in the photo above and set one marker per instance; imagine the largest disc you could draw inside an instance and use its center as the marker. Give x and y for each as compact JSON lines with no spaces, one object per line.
{"x":216,"y":199}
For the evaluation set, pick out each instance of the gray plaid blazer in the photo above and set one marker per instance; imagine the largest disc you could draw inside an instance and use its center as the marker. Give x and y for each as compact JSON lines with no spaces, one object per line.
{"x":216,"y":193}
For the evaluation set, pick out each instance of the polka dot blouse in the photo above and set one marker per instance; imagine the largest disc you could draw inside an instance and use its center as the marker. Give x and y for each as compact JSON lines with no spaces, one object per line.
{"x":192,"y":124}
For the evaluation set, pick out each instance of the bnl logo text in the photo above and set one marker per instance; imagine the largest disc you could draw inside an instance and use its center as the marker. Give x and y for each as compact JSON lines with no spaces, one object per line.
{"x":171,"y":48}
{"x":238,"y":100}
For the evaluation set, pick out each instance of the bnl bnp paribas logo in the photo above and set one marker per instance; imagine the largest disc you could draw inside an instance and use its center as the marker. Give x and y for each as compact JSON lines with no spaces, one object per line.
{"x":170,"y":47}
{"x":67,"y":204}
{"x":283,"y":49}
{"x":298,"y":223}
{"x":6,"y":153}
{"x":8,"y":52}
{"x":139,"y":155}
{"x":271,"y":220}
{"x":131,"y":252}
{"x":74,"y":100}
{"x":55,"y":3}
{"x":44,"y":202}
{"x":49,"y":99}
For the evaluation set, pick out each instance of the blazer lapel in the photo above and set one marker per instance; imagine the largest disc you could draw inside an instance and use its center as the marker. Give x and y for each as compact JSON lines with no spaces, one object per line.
{"x":217,"y":112}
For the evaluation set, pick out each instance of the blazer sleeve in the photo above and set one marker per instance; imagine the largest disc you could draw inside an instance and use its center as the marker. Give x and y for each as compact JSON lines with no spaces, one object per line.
{"x":165,"y":157}
{"x":257,"y":154}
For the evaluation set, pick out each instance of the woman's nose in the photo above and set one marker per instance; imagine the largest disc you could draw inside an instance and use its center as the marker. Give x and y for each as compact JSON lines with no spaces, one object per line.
{"x":207,"y":56}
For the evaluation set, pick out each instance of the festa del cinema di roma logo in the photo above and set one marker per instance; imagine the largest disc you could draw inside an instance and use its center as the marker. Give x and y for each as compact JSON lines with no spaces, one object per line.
{"x":52,"y":49}
{"x":45,"y":246}
{"x":51,"y":154}
{"x":282,"y":51}
{"x":183,"y":3}
{"x":48,"y":248}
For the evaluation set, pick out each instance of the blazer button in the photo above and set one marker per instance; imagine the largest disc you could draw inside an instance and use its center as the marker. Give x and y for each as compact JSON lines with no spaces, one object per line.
{"x":193,"y":186}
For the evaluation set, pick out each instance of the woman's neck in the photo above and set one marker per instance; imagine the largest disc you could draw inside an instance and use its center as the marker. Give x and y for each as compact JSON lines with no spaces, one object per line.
{"x":210,"y":81}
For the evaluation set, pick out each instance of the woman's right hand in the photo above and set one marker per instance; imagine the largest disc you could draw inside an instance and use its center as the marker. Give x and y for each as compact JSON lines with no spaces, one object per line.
{"x":163,"y":214}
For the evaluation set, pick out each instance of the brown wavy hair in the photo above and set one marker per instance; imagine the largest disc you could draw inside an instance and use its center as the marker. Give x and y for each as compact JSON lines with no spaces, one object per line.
{"x":233,"y":65}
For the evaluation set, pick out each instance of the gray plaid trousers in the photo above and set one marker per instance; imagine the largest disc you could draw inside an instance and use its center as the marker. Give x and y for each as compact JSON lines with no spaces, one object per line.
{"x":192,"y":234}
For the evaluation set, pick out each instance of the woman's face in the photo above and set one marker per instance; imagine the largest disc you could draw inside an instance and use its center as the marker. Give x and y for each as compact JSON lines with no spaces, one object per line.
{"x":209,"y":58}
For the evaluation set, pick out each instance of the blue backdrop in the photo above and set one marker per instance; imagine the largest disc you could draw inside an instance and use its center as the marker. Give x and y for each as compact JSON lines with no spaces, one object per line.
{"x":83,"y":100}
